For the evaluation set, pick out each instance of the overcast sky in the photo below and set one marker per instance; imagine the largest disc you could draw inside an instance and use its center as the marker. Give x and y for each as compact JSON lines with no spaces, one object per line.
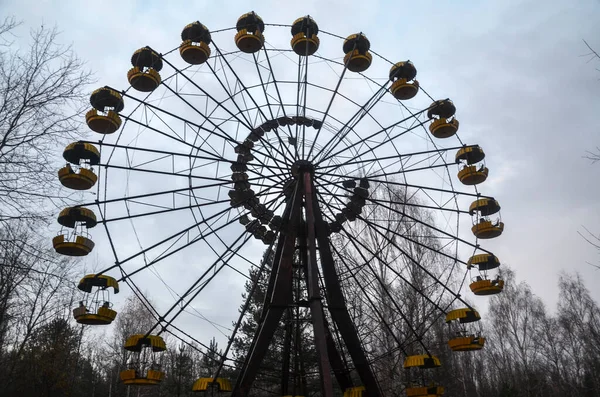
{"x":515,"y":69}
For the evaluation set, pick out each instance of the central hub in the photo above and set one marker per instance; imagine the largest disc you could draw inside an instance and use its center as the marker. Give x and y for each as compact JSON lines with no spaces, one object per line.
{"x":301,"y":167}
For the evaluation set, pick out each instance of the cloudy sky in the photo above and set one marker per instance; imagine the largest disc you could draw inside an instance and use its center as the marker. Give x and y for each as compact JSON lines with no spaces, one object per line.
{"x":517,"y":71}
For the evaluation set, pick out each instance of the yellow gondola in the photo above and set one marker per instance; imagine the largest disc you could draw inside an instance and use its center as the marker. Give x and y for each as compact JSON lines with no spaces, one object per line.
{"x":103,"y":123}
{"x":487,"y":287}
{"x":103,"y":315}
{"x":82,"y":179}
{"x":486,"y":229}
{"x":444,"y":124}
{"x":443,"y":128}
{"x":404,"y":86}
{"x":249,"y":37}
{"x":204,"y":384}
{"x":144,"y":80}
{"x":357,"y":391}
{"x":81,"y":152}
{"x":470,"y":154}
{"x":422,"y":361}
{"x":103,"y":118}
{"x":144,"y":76}
{"x":357,"y":58}
{"x":72,"y":245}
{"x":76,"y":242}
{"x":464,"y":341}
{"x":194,"y":48}
{"x":304,"y":36}
{"x":443,"y":108}
{"x":472,"y":175}
{"x":72,"y":216}
{"x":138,"y":342}
{"x":132,"y":377}
{"x":465,"y":315}
{"x":483,"y":262}
{"x":424,"y":391}
{"x":485,"y":207}
{"x":98,"y":311}
{"x":89,"y":281}
{"x":142,"y":367}
{"x":84,"y":155}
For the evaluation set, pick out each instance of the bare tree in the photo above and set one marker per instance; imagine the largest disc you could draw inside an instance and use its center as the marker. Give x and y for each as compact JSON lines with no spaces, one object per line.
{"x":593,"y":55}
{"x":36,"y":288}
{"x":42,"y":93}
{"x":133,"y":318}
{"x":389,"y":258}
{"x":579,"y":317}
{"x":593,"y":240}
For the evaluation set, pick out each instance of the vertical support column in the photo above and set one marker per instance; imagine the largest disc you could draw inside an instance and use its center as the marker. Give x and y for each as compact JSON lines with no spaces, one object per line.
{"x":337,"y":305}
{"x":335,"y":359}
{"x":287,"y":341}
{"x":340,"y":371}
{"x":281,"y":286}
{"x":314,"y":293}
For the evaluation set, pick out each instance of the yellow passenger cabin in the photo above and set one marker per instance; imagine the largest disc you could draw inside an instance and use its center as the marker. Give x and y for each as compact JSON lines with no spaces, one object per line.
{"x":103,"y":118}
{"x":221,"y":385}
{"x":424,"y":361}
{"x":484,"y":286}
{"x":424,"y":391}
{"x":466,"y":343}
{"x":463,"y":315}
{"x":97,"y":310}
{"x":75,"y":242}
{"x":443,"y":124}
{"x":72,"y":245}
{"x":357,"y":58}
{"x":483,"y":227}
{"x":470,"y":154}
{"x":145,"y":76}
{"x":196,"y":39}
{"x":143,"y":366}
{"x":404,"y":86}
{"x":443,"y":128}
{"x":486,"y":229}
{"x":462,"y":339}
{"x":357,"y":391}
{"x":483,"y":262}
{"x":249,"y":37}
{"x":305,"y":40}
{"x":82,"y":179}
{"x":472,"y":175}
{"x":83,"y":156}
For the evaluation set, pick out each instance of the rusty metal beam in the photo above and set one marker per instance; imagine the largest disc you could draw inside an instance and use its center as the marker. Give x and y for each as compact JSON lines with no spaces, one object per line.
{"x":314,"y":292}
{"x":280,"y":300}
{"x":337,"y":305}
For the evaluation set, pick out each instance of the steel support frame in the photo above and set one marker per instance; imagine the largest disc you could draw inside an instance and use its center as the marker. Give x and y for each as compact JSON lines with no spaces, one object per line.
{"x":310,"y":229}
{"x":337,"y":304}
{"x":278,"y":297}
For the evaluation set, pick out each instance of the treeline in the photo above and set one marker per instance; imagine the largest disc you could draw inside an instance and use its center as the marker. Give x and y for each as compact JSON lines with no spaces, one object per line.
{"x":45,"y":353}
{"x":528,"y":351}
{"x":396,"y":292}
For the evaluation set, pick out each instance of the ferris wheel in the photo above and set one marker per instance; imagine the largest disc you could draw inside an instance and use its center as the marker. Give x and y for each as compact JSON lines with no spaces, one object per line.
{"x":320,"y":152}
